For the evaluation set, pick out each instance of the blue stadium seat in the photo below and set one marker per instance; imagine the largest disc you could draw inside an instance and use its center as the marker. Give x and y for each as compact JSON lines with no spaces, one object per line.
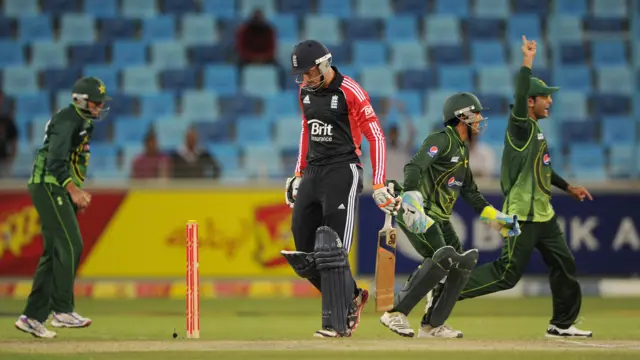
{"x":198,"y":29}
{"x":202,"y":105}
{"x":496,"y":104}
{"x":170,"y":132}
{"x":610,"y":104}
{"x":223,"y":9}
{"x":287,"y":133}
{"x":19,"y":80}
{"x":128,"y":53}
{"x":208,"y":54}
{"x":412,"y":101}
{"x":59,"y":7}
{"x":251,"y":131}
{"x":417,"y":79}
{"x":38,"y":126}
{"x":484,"y":29}
{"x":178,"y":79}
{"x":12,"y":53}
{"x":122,"y":105}
{"x":178,"y":7}
{"x":107,"y":73}
{"x":572,"y":54}
{"x":295,"y":7}
{"x":459,"y":8}
{"x":286,"y":27}
{"x":487,"y":52}
{"x":324,"y":28}
{"x":259,"y":80}
{"x":577,"y":131}
{"x":63,"y":99}
{"x":515,"y":48}
{"x":401,"y":28}
{"x":610,"y":8}
{"x":285,"y":104}
{"x":540,"y":8}
{"x":88,"y":54}
{"x":518,"y":25}
{"x":492,"y":9}
{"x":77,"y":29}
{"x":363,"y":29}
{"x":221,"y":79}
{"x":139,"y":8}
{"x":161,"y":28}
{"x":435,"y":99}
{"x":339,"y":8}
{"x":35,"y":28}
{"x":604,"y":25}
{"x":495,"y":131}
{"x":442,"y":30}
{"x":101,"y":8}
{"x":378,"y":81}
{"x":619,"y":130}
{"x":168,"y":55}
{"x":30,"y":106}
{"x":228,"y":155}
{"x":608,"y":52}
{"x":615,"y":80}
{"x":60,"y":79}
{"x":157,"y":105}
{"x":448,"y":54}
{"x":238,"y":105}
{"x":139,"y":80}
{"x":412,"y":7}
{"x":587,"y":162}
{"x":565,"y":28}
{"x":130,"y":130}
{"x":369,"y":53}
{"x":457,"y":78}
{"x":570,"y":104}
{"x":18,"y":8}
{"x":622,"y":161}
{"x":268,"y":7}
{"x":48,"y":55}
{"x":495,"y":81}
{"x":575,"y":78}
{"x":262,"y":160}
{"x":571,"y":7}
{"x":117,"y":28}
{"x":379,"y":9}
{"x":408,"y":55}
{"x":7,"y":27}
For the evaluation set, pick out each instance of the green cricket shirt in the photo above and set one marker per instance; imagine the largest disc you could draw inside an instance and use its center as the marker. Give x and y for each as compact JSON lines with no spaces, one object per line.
{"x":64,"y":154}
{"x":526,"y":170}
{"x":440,"y":171}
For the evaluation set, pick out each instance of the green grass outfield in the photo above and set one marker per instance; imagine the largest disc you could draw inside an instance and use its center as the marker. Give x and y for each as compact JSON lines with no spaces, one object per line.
{"x":494,"y":328}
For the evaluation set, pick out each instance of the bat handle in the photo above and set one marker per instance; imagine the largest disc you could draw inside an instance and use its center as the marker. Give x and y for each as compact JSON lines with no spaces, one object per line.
{"x":387,"y":217}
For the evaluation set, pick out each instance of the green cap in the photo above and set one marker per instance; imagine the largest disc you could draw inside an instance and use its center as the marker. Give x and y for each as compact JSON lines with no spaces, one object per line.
{"x":537,"y":87}
{"x":460,"y":104}
{"x":91,"y":88}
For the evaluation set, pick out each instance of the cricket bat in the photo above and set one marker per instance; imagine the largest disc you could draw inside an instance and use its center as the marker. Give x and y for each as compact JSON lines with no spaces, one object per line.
{"x":385,"y":264}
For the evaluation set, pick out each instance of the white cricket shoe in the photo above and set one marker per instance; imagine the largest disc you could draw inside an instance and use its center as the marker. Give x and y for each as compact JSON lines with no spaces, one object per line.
{"x":330,"y":333}
{"x":442,"y":331}
{"x":69,"y":320}
{"x":398,"y":323}
{"x":572,"y":332}
{"x":34,"y":327}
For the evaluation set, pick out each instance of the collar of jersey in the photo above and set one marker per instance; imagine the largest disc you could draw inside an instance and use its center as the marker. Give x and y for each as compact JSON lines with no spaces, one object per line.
{"x":455,"y":134}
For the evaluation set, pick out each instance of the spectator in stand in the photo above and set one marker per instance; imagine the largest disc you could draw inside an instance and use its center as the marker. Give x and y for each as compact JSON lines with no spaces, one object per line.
{"x":256,"y":41}
{"x":151,"y":164}
{"x":8,"y":139}
{"x":190,"y":161}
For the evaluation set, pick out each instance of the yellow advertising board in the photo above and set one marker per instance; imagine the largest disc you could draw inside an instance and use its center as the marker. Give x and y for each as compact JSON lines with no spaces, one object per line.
{"x":241,"y":233}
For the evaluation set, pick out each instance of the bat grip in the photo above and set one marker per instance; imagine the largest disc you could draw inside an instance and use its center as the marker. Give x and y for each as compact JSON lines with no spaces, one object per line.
{"x":387,"y":217}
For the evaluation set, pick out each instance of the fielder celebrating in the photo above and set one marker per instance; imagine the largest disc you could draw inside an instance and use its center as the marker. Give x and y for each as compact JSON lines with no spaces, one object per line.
{"x":433,"y":180}
{"x":55,"y":187}
{"x":527,"y":176}
{"x":336,"y":112}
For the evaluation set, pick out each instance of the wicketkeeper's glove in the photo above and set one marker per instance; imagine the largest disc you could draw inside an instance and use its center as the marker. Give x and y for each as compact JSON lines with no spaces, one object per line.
{"x":506,"y":224}
{"x":413,"y":215}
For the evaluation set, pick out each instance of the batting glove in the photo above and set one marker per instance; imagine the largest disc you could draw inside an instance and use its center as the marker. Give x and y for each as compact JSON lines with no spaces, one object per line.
{"x":291,"y":190}
{"x":386,"y":201}
{"x":413,"y":215}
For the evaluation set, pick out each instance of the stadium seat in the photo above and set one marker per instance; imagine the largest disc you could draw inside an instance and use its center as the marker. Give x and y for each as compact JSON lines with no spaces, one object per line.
{"x":128,"y":53}
{"x":608,"y":52}
{"x":610,"y":8}
{"x":285,"y":104}
{"x":401,"y":28}
{"x":619,"y":130}
{"x":168,"y":55}
{"x":378,"y":81}
{"x":496,"y":105}
{"x":117,"y":28}
{"x":578,"y":131}
{"x":448,"y":54}
{"x":459,"y":8}
{"x":88,"y":54}
{"x":139,"y":8}
{"x":492,"y":9}
{"x":178,"y":80}
{"x":412,"y":7}
{"x":379,"y":9}
{"x":571,"y":54}
{"x":484,"y":29}
{"x":487,"y":53}
{"x":495,"y":81}
{"x":565,"y":29}
{"x":12,"y":53}
{"x":63,"y":99}
{"x":610,"y":104}
{"x":253,"y":132}
{"x":247,"y":7}
{"x":139,"y":80}
{"x":198,"y":29}
{"x":295,"y":7}
{"x":38,"y":127}
{"x":18,"y":80}
{"x":105,"y":9}
{"x":456,"y":78}
{"x":35,"y":28}
{"x":570,"y":104}
{"x":408,"y":55}
{"x":59,"y":7}
{"x":339,"y":8}
{"x":575,"y":78}
{"x":416,"y":79}
{"x":161,"y":28}
{"x":221,"y":79}
{"x":178,"y":7}
{"x":435,"y":99}
{"x":287,"y":133}
{"x":228,"y":155}
{"x":260,"y":80}
{"x":518,"y":25}
{"x":18,"y":8}
{"x":76,"y":29}
{"x":122,"y":105}
{"x":7,"y":27}
{"x":587,"y":162}
{"x":60,"y":79}
{"x":262,"y":160}
{"x":369,"y":53}
{"x":615,"y":80}
{"x":157,"y":105}
{"x":324,"y":28}
{"x":622,"y":163}
{"x":537,"y":7}
{"x":223,"y":9}
{"x":214,"y":132}
{"x":201,"y":105}
{"x":170,"y":132}
{"x":30,"y":106}
{"x":363,"y":29}
{"x":411,"y":100}
{"x":45,"y":54}
{"x":571,"y":7}
{"x":541,"y":61}
{"x":442,"y":30}
{"x":239,"y":104}
{"x":107,"y":73}
{"x":286,"y":27}
{"x":495,"y":132}
{"x":130,"y":131}
{"x":208,"y":54}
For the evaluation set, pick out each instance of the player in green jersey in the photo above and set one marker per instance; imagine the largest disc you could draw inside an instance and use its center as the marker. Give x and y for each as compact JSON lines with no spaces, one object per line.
{"x":56,"y":190}
{"x":526,"y":180}
{"x":433,"y":180}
